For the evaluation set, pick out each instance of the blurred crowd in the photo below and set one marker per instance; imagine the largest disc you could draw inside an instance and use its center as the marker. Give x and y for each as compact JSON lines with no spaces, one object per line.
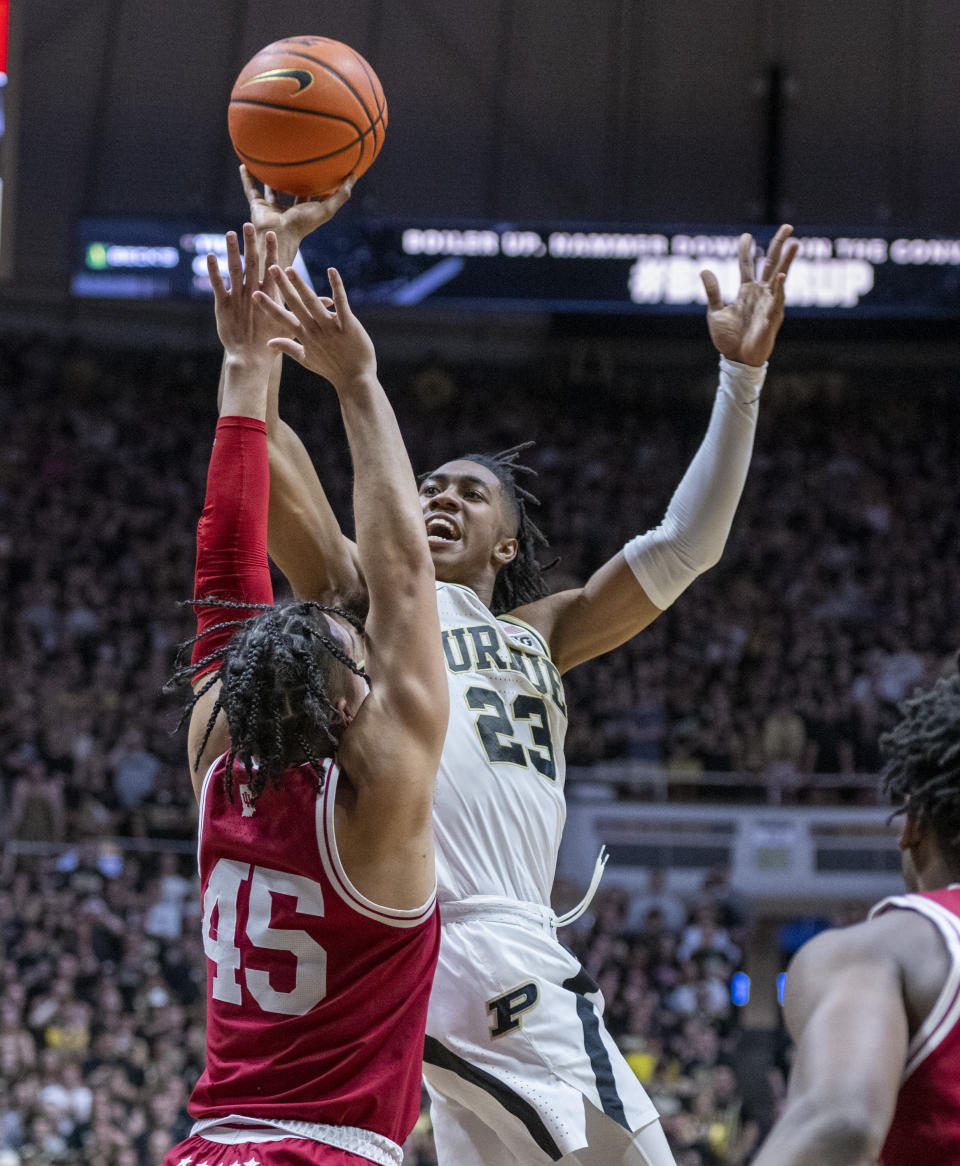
{"x":837,"y":594}
{"x":835,"y":597}
{"x":101,"y":1025}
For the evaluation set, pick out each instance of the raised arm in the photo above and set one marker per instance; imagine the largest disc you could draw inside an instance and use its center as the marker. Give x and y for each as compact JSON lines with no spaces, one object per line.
{"x":232,"y":531}
{"x":304,"y":536}
{"x":392,"y":749}
{"x":629,"y":591}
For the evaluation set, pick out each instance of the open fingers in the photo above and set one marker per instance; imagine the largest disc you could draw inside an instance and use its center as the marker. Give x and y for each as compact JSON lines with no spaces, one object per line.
{"x":340,"y":301}
{"x":712,"y":288}
{"x":312,"y":303}
{"x":775,"y":248}
{"x":249,"y":186}
{"x":341,"y":194}
{"x":790,"y":252}
{"x":287,"y":347}
{"x":269,"y":255}
{"x":774,"y":252}
{"x":290,"y":295}
{"x":299,"y":298}
{"x":216,"y":280}
{"x":778,"y":293}
{"x":234,"y":264}
{"x":276,"y":312}
{"x":745,"y":254}
{"x":251,"y":256}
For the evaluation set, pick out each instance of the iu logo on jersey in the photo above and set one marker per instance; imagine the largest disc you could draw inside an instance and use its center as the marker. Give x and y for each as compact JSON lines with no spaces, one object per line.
{"x":507,"y":1010}
{"x":246,"y":800}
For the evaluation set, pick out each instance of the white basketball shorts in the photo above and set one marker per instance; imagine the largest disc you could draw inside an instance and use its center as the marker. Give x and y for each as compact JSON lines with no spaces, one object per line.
{"x":518,"y":1062}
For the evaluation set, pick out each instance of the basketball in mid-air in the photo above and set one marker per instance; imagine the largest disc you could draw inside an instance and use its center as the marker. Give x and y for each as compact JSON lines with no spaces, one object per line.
{"x":305,"y":113}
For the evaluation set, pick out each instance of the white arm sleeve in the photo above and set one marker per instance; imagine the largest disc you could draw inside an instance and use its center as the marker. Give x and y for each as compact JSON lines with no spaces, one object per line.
{"x":691,"y":537}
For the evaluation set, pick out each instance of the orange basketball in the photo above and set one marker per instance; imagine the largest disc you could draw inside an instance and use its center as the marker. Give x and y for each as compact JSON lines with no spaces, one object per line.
{"x":305,"y":113}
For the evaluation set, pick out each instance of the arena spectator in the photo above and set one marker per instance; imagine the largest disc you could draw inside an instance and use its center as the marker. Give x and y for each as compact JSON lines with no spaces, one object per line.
{"x":658,"y":898}
{"x":836,"y":595}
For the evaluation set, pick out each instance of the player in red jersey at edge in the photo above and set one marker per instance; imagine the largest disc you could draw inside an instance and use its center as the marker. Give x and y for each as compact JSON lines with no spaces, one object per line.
{"x":316,"y":857}
{"x":875,"y":1008}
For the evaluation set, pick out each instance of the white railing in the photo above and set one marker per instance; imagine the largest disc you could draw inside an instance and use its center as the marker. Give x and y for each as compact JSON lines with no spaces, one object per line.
{"x":608,"y":780}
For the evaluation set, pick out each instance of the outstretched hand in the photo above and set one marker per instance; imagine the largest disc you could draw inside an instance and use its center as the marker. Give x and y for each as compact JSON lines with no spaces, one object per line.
{"x":321,"y":334}
{"x":746,"y":329}
{"x":291,"y":223}
{"x":243,"y":330}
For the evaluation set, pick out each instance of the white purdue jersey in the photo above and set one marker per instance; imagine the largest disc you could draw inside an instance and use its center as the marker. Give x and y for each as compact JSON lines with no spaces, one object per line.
{"x":499,"y":804}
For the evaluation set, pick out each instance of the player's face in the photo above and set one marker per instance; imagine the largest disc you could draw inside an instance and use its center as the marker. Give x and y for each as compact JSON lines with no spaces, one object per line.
{"x":468,"y":529}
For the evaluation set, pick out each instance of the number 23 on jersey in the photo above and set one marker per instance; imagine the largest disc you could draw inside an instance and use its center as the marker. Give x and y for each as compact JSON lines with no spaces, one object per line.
{"x":498,"y":734}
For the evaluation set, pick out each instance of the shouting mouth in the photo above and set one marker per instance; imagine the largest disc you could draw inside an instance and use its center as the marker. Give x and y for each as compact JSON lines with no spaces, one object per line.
{"x":441,"y":531}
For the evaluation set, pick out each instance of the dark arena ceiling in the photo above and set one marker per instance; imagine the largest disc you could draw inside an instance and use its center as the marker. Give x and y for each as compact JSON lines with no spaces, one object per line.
{"x":676,"y":111}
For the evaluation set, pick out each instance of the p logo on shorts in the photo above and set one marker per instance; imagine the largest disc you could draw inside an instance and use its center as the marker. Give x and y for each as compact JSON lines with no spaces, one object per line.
{"x":508,"y":1009}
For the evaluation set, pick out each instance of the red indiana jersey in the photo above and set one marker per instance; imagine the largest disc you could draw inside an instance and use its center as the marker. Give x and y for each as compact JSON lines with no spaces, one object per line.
{"x":926,"y":1125}
{"x":316,"y":997}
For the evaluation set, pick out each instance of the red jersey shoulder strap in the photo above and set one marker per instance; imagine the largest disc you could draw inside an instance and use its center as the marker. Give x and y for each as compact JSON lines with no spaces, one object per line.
{"x":333,"y":867}
{"x":945,"y":1013}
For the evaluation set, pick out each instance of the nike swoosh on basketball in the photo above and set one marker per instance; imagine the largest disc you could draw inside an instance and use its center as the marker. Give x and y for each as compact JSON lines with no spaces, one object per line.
{"x":303,"y":78}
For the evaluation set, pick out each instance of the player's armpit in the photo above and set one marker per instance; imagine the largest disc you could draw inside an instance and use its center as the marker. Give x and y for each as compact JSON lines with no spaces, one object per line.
{"x":384,"y":828}
{"x":845,"y":1008}
{"x":393,"y":748}
{"x":217,"y":742}
{"x":390,"y":756}
{"x":584,"y":622}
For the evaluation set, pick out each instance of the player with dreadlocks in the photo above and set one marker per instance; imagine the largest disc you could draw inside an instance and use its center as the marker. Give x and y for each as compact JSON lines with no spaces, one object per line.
{"x":314,"y":773}
{"x":518,"y":1062}
{"x":875,"y":1008}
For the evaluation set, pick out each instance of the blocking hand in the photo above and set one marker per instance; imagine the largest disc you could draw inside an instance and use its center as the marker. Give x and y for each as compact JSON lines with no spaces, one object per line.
{"x":243,"y":330}
{"x":321,"y":334}
{"x":746,"y":329}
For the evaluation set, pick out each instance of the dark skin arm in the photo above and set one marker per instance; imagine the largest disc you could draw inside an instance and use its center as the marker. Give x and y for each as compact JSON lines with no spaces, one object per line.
{"x":854,"y":998}
{"x":612,"y":607}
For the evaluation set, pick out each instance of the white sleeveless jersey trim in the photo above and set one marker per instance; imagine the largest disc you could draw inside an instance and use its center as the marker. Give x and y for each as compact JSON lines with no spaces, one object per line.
{"x":204,"y":786}
{"x":333,"y":867}
{"x":945,"y":1014}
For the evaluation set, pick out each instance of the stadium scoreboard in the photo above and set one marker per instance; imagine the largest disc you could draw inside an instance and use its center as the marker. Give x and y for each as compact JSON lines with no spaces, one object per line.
{"x":561,"y":268}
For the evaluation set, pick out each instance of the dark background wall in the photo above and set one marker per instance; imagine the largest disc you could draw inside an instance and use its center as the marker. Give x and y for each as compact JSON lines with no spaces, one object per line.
{"x":616,"y":110}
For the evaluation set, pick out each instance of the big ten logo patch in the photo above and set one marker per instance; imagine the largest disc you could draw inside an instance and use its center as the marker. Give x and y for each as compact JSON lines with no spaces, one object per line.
{"x":507,"y":1010}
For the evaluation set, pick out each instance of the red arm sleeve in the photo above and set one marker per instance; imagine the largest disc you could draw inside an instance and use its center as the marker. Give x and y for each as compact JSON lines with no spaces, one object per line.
{"x":232,"y":531}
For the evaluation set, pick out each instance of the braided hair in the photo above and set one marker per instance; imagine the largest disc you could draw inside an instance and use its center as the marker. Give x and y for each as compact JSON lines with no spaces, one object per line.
{"x":280,"y":675}
{"x":921,"y":774}
{"x":521,"y":580}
